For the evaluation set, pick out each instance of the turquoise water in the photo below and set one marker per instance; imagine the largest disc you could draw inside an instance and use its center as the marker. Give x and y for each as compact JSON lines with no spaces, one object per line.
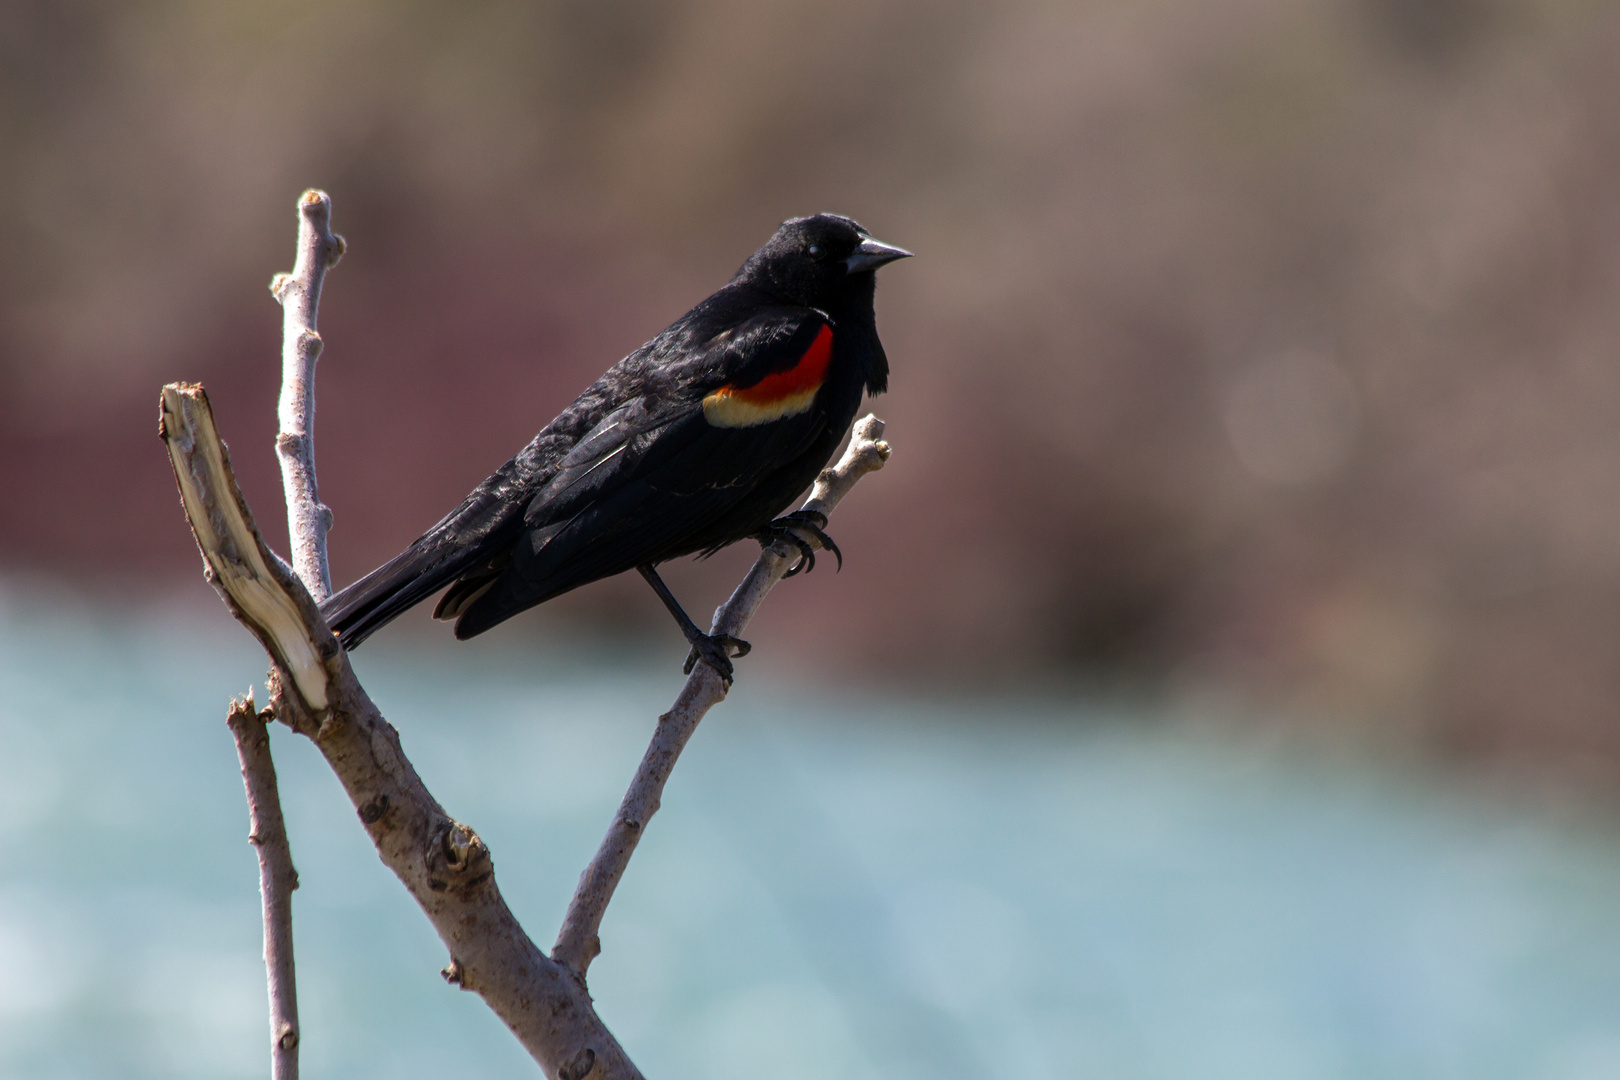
{"x":837,"y":886}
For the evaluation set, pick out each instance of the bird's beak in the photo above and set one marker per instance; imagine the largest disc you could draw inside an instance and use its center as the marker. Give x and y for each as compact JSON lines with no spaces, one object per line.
{"x":873,"y":254}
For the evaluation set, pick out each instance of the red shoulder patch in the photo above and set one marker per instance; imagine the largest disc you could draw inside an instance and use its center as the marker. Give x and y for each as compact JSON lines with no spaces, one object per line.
{"x":780,"y":394}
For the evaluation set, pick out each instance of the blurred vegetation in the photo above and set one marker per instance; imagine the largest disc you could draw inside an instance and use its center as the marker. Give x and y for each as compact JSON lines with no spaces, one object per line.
{"x":1252,"y":344}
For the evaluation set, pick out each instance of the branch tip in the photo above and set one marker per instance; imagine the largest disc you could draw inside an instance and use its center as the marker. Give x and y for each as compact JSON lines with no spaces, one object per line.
{"x":242,"y":707}
{"x":318,"y":249}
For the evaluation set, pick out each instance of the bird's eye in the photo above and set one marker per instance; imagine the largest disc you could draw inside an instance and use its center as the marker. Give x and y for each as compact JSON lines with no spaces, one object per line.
{"x":815,"y":249}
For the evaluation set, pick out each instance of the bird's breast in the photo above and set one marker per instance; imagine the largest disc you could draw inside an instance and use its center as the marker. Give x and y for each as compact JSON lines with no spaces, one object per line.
{"x":776,"y":396}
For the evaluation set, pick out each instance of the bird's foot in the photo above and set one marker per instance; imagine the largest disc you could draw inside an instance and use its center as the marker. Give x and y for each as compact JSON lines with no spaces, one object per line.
{"x":715,"y":650}
{"x":790,"y":529}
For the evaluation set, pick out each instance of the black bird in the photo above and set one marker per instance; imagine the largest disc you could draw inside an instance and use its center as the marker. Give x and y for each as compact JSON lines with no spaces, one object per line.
{"x":696,"y":440}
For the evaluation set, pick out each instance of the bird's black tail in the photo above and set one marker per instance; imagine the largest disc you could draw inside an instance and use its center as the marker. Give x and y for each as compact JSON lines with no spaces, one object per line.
{"x":388,"y":591}
{"x":458,"y":545}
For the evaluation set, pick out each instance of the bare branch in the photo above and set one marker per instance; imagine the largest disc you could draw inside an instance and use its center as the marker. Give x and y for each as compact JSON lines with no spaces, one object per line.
{"x":579,"y":941}
{"x":308,"y":519}
{"x":277,"y":879}
{"x":258,"y":587}
{"x":442,"y":863}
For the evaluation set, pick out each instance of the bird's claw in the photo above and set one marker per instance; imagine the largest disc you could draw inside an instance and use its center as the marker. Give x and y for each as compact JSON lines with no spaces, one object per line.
{"x":807,"y":552}
{"x":788,"y":528}
{"x":715,"y":650}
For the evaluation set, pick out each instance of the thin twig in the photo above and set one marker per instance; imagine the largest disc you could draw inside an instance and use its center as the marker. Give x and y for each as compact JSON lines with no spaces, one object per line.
{"x":308,"y":519}
{"x":579,"y":941}
{"x":277,"y":879}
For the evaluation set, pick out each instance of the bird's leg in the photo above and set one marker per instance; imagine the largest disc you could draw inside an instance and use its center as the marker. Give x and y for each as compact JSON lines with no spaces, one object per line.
{"x":789,"y":526}
{"x":712,"y":649}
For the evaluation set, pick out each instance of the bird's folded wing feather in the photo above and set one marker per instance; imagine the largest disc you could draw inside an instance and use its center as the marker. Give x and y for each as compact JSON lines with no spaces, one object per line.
{"x":655,"y":442}
{"x":666,"y":436}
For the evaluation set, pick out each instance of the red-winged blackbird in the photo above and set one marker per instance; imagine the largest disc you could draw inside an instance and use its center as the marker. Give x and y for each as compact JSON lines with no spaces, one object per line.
{"x":698,"y":439}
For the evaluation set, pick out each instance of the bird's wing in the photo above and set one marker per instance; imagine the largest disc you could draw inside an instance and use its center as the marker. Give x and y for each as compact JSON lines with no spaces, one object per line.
{"x":488,"y":520}
{"x":714,"y":418}
{"x":477,"y":535}
{"x":662,"y":467}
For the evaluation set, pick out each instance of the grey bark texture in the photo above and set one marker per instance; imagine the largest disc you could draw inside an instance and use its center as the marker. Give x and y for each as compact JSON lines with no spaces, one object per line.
{"x":299,"y":292}
{"x":277,"y":879}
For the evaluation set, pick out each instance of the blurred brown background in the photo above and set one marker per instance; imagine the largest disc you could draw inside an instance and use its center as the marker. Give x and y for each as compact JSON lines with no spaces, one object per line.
{"x":1254,"y":345}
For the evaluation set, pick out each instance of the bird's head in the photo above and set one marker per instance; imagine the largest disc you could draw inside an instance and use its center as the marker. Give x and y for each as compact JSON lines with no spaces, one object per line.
{"x":815,"y":260}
